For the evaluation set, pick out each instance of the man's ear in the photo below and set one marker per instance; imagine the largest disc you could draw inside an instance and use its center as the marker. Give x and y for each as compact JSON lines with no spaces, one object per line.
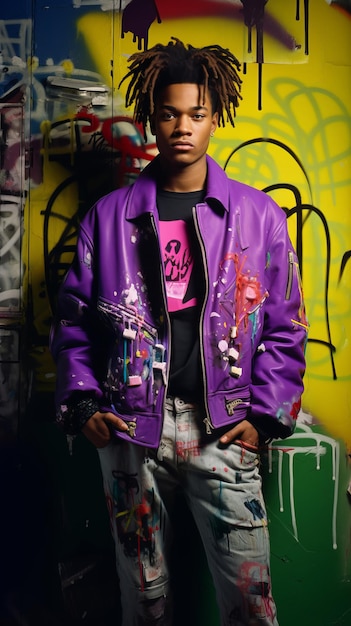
{"x":214,"y":122}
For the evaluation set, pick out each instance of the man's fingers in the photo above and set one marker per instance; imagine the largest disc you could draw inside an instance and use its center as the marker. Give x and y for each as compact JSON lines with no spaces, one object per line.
{"x":243,"y":431}
{"x":98,"y":428}
{"x":97,"y":431}
{"x":229,"y":436}
{"x":115,"y":422}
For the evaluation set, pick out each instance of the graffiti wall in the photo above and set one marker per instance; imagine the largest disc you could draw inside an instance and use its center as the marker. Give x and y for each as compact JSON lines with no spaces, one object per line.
{"x":66,"y":139}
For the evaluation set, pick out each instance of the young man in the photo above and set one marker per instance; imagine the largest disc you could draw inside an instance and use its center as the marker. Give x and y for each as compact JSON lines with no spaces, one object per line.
{"x":179,"y":343}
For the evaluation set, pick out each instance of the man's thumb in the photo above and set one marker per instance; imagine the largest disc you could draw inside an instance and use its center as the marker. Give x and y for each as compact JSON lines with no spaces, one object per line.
{"x":115,"y":421}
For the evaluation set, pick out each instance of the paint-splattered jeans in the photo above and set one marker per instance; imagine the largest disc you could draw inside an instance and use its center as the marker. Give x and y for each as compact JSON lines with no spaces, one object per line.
{"x":223,"y":489}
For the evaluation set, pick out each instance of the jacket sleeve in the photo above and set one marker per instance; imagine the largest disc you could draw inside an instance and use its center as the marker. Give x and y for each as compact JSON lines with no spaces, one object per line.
{"x":279,"y":362}
{"x":75,"y":341}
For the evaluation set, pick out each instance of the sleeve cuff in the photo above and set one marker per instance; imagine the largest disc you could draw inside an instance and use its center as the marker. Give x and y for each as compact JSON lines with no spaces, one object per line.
{"x":73,"y":416}
{"x":268,"y":429}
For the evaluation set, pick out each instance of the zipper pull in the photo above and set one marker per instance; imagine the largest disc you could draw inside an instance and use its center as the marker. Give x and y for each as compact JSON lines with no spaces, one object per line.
{"x":290,"y":275}
{"x":208,"y":426}
{"x":131,"y":428}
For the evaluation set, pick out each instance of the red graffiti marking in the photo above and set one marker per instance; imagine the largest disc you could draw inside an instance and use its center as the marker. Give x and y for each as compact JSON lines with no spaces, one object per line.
{"x":130,"y":149}
{"x":295,"y":409}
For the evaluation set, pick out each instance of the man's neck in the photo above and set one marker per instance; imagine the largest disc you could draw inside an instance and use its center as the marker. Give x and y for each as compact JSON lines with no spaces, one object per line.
{"x":184,"y":179}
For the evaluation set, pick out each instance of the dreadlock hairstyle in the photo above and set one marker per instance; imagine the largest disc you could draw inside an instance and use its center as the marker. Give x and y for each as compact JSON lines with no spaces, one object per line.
{"x":212,"y":66}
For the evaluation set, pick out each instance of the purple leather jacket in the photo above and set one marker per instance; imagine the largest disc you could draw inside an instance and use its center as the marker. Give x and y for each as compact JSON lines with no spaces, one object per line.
{"x":111,"y":336}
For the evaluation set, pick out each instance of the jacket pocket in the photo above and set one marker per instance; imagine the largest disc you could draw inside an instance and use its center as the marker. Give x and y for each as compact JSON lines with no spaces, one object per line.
{"x":229,"y":406}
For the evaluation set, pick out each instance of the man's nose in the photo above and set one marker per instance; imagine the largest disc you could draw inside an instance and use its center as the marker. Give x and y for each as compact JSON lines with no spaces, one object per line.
{"x":183,"y":126}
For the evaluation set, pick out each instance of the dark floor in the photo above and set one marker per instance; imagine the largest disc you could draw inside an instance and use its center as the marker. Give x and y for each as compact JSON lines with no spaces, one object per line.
{"x":56,"y":554}
{"x":36,"y":588}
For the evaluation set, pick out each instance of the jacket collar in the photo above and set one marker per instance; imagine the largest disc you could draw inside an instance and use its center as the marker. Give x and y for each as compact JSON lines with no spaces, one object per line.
{"x":142,"y":197}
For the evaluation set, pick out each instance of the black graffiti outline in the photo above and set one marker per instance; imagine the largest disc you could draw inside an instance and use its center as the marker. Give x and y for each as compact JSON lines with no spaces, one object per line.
{"x":298,"y":209}
{"x":344,"y":260}
{"x":54,"y":268}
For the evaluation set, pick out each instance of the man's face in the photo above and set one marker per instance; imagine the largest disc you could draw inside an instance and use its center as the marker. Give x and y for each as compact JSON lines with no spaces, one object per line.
{"x":183,"y":123}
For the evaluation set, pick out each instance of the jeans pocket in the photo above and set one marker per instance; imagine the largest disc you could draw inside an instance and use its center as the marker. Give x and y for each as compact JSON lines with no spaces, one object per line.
{"x":249,"y":454}
{"x":247,"y":446}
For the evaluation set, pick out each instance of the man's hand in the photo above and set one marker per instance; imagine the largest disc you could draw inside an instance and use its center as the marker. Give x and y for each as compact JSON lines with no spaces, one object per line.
{"x":244,"y":431}
{"x":97,"y":428}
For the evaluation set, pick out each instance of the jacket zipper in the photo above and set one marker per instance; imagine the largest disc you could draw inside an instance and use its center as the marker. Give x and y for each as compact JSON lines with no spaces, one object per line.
{"x":164,"y":297}
{"x":290,"y":275}
{"x":207,"y":420}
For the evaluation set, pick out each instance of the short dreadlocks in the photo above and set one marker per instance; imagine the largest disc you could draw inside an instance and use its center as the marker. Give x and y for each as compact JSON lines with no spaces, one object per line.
{"x":212,"y":66}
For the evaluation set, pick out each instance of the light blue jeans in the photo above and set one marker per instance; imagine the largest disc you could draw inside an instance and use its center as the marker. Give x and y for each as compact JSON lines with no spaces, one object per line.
{"x":222,"y":486}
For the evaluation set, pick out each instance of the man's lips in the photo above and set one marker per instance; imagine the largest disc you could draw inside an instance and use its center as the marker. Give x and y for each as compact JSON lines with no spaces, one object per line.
{"x":182,"y":145}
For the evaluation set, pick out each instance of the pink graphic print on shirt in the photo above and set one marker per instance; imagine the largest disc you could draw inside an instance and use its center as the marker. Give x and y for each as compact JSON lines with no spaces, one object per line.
{"x":178,"y":263}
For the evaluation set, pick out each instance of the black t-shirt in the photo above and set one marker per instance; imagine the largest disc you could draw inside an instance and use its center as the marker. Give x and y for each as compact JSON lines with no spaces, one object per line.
{"x":185,"y":289}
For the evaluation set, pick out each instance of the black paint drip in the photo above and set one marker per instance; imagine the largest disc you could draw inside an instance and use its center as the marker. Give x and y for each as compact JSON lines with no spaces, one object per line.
{"x":254,"y":17}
